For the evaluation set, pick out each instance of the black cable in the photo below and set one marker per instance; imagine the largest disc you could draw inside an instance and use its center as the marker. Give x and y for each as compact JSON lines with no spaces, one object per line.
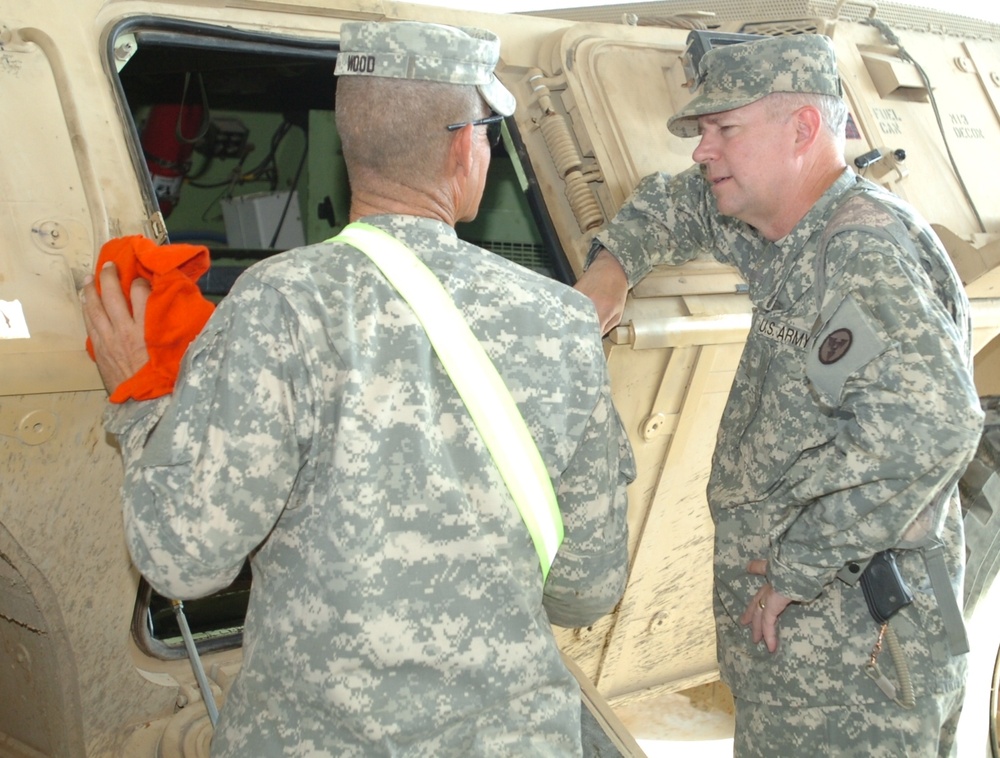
{"x":894,"y":40}
{"x":291,"y":191}
{"x":206,"y":117}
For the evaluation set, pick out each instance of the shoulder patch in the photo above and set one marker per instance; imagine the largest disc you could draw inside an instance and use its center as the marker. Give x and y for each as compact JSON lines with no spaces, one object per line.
{"x":848,"y":342}
{"x":835,"y":346}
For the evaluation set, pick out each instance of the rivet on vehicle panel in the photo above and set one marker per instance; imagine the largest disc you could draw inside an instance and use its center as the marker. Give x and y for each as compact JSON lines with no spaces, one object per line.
{"x":36,"y":427}
{"x":652,"y":425}
{"x":49,"y":234}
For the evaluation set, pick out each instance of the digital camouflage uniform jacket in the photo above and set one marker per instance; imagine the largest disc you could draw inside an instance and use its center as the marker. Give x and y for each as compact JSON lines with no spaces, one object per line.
{"x":831,"y":448}
{"x":397,"y":600}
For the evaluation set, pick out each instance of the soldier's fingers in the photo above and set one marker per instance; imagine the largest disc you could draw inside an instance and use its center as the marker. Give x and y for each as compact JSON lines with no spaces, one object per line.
{"x":758,"y":567}
{"x":112,"y":296}
{"x":757,"y":627}
{"x":139,"y":293}
{"x":754,"y":609}
{"x":769,"y":631}
{"x":94,"y":317}
{"x":747,"y":616}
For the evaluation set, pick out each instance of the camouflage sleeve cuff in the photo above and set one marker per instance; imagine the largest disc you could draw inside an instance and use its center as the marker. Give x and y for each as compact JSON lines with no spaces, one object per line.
{"x":626,"y":236}
{"x":607,"y":243}
{"x":664,"y":221}
{"x":584,"y":604}
{"x":131,"y":423}
{"x":793,"y":584}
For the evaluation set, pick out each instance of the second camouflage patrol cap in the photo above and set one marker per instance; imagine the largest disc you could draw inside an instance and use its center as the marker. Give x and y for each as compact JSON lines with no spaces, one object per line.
{"x":736,"y":75}
{"x":429,"y":52}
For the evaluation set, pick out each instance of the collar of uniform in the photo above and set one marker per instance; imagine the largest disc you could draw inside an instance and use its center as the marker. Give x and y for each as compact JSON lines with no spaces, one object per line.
{"x":416,"y":232}
{"x":816,"y":218}
{"x":784,"y":256}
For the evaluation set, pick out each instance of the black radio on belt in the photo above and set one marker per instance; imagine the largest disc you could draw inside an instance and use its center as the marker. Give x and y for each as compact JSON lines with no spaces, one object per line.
{"x":884,"y":588}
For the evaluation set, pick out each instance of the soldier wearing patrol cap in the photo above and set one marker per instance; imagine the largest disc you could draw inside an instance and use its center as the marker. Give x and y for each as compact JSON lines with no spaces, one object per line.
{"x":850,"y":418}
{"x":398,"y":606}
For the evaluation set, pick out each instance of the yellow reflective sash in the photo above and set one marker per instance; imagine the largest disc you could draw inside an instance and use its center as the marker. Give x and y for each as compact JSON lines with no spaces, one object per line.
{"x":485,"y":395}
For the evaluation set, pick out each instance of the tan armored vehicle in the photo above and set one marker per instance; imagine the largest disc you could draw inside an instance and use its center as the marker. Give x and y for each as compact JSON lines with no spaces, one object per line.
{"x":212,"y":122}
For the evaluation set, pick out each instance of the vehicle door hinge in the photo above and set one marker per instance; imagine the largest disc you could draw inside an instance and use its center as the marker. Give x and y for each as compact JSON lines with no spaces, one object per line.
{"x":158,"y":227}
{"x":566,"y":156}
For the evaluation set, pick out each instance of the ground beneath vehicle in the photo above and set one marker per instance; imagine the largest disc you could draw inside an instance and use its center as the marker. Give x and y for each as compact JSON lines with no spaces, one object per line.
{"x":91,"y":661}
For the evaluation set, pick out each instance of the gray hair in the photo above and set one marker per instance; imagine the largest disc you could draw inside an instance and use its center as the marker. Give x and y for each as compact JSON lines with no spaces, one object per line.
{"x":395,"y":128}
{"x":832,"y":110}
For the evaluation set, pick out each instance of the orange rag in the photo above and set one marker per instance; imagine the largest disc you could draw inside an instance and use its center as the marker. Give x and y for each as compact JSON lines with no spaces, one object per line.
{"x":175,"y":312}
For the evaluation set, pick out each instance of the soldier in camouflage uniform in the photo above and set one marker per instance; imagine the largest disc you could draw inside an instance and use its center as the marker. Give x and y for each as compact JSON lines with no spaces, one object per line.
{"x":397,"y":605}
{"x":851,"y":414}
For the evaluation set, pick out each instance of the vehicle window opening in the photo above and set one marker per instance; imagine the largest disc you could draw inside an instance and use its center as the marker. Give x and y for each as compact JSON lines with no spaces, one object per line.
{"x":235,"y":141}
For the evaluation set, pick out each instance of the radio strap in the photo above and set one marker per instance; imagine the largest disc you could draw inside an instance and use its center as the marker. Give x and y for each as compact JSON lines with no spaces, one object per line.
{"x":483,"y":391}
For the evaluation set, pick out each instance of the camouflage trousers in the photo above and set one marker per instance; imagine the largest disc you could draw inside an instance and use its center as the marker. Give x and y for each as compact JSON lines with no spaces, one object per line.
{"x":876,"y":730}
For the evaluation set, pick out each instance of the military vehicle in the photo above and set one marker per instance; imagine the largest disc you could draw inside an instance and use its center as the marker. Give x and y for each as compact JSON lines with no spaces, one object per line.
{"x":211,"y":121}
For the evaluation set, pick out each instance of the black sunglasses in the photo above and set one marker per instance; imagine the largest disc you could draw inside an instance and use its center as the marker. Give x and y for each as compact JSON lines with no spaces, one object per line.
{"x":493,"y":124}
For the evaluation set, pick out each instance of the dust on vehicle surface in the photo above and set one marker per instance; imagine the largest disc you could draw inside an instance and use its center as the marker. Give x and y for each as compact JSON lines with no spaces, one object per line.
{"x":212,"y":123}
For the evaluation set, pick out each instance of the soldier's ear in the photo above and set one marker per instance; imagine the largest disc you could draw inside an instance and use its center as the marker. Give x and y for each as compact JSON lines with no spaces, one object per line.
{"x":808,"y":125}
{"x":461,"y":152}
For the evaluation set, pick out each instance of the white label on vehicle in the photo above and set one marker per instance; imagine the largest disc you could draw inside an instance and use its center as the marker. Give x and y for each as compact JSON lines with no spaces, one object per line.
{"x":12,"y":323}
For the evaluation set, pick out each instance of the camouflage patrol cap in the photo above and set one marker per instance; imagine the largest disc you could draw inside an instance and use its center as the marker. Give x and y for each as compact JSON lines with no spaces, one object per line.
{"x":740,"y":74}
{"x":429,"y":52}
